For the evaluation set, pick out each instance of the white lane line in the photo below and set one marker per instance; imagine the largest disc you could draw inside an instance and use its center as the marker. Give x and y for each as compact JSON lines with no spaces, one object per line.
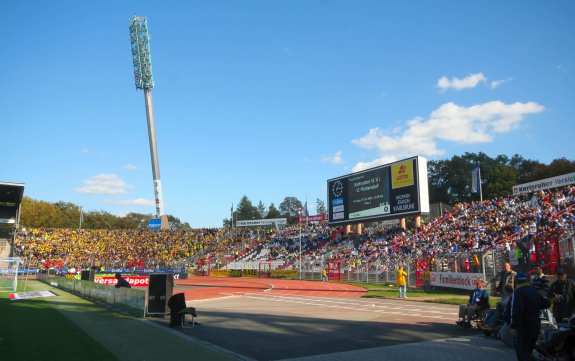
{"x":350,"y":305}
{"x":319,"y":304}
{"x":379,"y":309}
{"x":360,"y":303}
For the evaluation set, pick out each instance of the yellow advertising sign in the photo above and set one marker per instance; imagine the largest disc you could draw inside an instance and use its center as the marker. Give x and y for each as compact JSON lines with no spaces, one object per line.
{"x":402,"y":174}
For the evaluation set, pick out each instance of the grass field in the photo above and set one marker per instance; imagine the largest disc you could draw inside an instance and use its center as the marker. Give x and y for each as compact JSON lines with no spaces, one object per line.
{"x":454,"y":297}
{"x":33,"y":330}
{"x":67,"y":327}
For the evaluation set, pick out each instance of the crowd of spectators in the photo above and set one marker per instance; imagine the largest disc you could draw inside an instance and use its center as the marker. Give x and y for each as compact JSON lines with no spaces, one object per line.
{"x":509,"y":223}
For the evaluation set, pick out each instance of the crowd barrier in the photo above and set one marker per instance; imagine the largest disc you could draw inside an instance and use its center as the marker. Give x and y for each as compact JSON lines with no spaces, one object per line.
{"x":129,"y":300}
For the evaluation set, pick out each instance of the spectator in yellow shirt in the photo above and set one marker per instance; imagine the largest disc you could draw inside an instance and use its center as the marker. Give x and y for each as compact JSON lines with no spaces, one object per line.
{"x":401,"y":280}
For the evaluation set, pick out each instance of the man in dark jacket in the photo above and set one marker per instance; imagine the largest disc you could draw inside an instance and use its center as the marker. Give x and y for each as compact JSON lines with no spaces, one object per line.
{"x":525,"y":323}
{"x":121,"y":281}
{"x":564,"y":290}
{"x":507,"y":276}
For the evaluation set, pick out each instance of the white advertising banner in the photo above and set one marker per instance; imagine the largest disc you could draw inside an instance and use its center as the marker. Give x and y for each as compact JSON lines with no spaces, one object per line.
{"x":460,"y":280}
{"x":33,"y":294}
{"x":559,"y":181}
{"x":261,"y":222}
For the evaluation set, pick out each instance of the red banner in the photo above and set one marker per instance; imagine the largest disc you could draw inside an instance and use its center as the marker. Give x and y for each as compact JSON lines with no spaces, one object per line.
{"x":134,"y":281}
{"x":317,"y":218}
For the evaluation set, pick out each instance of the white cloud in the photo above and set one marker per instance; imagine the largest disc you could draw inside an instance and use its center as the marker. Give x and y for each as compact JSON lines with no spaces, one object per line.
{"x":496,"y":83}
{"x":140,"y":202}
{"x":451,"y":123}
{"x":334,"y":159}
{"x":104,"y":183}
{"x":374,"y":163}
{"x":131,"y":167}
{"x":470,"y":81}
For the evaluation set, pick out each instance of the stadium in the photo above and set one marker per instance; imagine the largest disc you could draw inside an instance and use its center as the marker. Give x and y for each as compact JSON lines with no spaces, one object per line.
{"x":378,"y":273}
{"x":264,"y":282}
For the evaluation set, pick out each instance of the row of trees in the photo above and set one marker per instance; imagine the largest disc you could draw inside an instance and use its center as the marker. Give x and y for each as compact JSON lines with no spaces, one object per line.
{"x":36,"y":214}
{"x":449,"y":182}
{"x":289,"y":208}
{"x":450,"y":179}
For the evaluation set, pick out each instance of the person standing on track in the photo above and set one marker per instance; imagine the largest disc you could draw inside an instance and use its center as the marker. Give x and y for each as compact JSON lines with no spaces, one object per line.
{"x":401,"y":280}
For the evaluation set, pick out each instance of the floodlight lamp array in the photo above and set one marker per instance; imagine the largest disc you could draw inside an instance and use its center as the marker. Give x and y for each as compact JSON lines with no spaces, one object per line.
{"x":140,"y":40}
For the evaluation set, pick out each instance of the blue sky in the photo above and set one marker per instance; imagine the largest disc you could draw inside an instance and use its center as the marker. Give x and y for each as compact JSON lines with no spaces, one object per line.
{"x":270,"y":99}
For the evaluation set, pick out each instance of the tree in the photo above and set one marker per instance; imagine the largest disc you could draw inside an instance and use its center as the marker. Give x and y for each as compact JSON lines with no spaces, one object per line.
{"x":555,"y":168}
{"x":261,"y":210}
{"x":38,"y":214}
{"x":100,"y":220}
{"x":497,"y":176}
{"x":290,"y":208}
{"x":525,"y":168}
{"x":69,"y":215}
{"x":458,"y":178}
{"x":135,"y":221}
{"x":438,"y":183}
{"x":175,"y":223}
{"x":273,"y":212}
{"x":246,"y":210}
{"x":450,"y":180}
{"x":500,"y":181}
{"x":320,"y":206}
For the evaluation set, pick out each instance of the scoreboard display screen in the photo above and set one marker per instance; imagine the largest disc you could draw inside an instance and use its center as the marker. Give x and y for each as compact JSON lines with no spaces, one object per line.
{"x":390,"y":191}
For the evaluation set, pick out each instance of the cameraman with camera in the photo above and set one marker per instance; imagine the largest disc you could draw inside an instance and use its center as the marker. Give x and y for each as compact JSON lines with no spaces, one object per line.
{"x":564,"y":295}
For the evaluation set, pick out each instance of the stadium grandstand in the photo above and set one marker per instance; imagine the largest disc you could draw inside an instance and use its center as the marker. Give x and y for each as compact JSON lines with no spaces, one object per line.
{"x":526,"y":229}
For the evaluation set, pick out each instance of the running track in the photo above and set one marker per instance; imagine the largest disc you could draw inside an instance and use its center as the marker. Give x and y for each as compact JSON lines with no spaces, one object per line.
{"x":199,"y":288}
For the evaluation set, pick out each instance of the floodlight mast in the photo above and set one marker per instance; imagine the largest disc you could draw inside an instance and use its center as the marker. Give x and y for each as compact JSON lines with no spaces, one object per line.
{"x":140,"y":39}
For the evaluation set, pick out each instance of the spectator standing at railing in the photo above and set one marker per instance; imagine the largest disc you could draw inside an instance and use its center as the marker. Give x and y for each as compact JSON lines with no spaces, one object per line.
{"x":401,"y":280}
{"x":507,"y":276}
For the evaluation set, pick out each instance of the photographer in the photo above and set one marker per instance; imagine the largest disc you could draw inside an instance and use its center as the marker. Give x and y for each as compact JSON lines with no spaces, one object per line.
{"x":564,"y":293}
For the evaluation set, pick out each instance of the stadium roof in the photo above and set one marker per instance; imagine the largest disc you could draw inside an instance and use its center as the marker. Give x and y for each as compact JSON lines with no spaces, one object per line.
{"x":10,"y":198}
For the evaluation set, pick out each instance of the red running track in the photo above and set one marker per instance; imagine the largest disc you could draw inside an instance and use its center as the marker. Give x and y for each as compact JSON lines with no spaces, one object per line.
{"x":199,"y":288}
